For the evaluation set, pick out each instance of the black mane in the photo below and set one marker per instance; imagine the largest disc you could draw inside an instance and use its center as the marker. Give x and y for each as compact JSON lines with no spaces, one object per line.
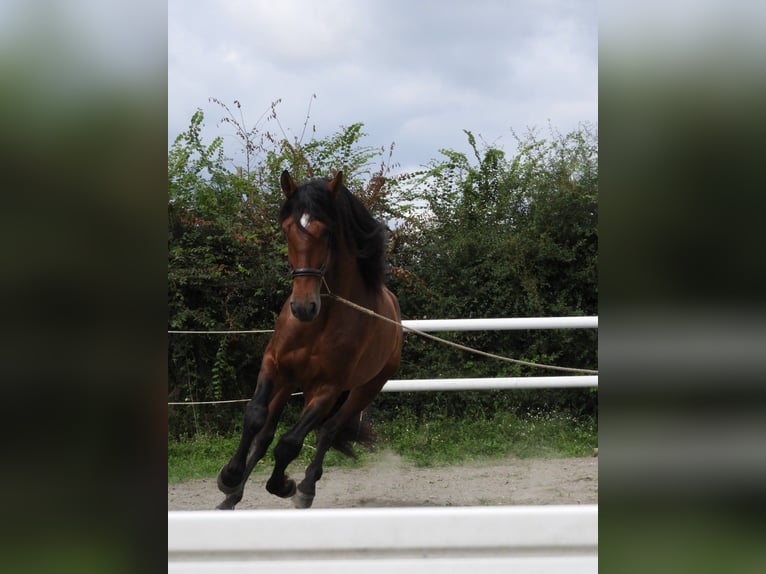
{"x":347,"y":219}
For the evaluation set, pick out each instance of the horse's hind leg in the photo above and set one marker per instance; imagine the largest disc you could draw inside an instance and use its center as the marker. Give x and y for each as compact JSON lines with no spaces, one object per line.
{"x":349,"y":414}
{"x":289,"y":445}
{"x":305,"y":492}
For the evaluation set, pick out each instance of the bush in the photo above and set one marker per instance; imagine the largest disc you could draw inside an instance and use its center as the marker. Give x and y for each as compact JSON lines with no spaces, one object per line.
{"x":494,"y":237}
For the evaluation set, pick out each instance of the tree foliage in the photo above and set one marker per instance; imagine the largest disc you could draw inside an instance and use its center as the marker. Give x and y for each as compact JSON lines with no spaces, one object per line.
{"x":480,"y":236}
{"x":492,"y":236}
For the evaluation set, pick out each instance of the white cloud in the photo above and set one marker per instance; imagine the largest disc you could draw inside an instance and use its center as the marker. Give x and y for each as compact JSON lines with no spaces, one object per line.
{"x":416,"y":73}
{"x":293,"y":32}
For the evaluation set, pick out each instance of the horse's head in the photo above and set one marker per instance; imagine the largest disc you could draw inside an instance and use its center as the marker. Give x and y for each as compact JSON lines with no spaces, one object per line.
{"x":304,"y":222}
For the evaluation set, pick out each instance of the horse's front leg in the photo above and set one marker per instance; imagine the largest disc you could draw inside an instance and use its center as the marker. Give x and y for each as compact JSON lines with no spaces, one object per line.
{"x":231,"y":476}
{"x":290,"y":444}
{"x":257,"y":451}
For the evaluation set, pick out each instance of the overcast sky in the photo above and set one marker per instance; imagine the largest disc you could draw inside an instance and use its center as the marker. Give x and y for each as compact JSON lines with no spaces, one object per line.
{"x":415,"y":72}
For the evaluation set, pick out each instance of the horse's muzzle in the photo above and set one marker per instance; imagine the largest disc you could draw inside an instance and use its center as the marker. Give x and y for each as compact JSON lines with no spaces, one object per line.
{"x":305,"y":311}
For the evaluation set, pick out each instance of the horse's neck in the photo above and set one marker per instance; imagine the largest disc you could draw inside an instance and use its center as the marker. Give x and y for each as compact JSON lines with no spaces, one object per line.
{"x":343,"y":277}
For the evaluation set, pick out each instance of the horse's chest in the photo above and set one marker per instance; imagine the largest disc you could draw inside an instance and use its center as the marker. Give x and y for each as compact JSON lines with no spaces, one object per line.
{"x":315,"y":363}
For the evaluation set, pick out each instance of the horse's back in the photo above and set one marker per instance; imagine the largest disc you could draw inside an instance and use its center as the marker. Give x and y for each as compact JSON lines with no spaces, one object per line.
{"x":394,"y":314}
{"x":397,"y":312}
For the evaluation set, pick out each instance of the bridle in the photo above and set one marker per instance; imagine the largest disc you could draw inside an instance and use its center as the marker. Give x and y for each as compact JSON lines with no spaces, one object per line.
{"x":312,"y":271}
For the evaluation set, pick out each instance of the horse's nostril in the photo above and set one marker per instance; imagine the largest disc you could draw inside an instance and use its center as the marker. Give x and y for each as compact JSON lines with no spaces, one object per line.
{"x":306,"y":311}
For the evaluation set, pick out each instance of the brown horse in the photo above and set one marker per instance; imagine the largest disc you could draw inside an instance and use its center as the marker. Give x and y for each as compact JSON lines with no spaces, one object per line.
{"x":338,"y":357}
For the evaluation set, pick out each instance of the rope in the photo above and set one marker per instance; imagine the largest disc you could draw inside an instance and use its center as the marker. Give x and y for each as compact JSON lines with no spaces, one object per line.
{"x":220,"y":402}
{"x":220,"y":332}
{"x":366,"y":311}
{"x":210,"y":402}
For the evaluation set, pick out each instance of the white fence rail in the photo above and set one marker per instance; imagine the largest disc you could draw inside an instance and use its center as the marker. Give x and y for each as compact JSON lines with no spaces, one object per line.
{"x":519,"y":539}
{"x":485,"y":383}
{"x":505,"y":324}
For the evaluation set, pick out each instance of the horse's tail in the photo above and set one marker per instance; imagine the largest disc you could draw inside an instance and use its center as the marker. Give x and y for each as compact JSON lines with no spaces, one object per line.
{"x":357,"y":430}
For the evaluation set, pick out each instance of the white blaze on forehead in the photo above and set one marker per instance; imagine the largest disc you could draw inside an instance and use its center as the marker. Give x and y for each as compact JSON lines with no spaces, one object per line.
{"x":305,"y":220}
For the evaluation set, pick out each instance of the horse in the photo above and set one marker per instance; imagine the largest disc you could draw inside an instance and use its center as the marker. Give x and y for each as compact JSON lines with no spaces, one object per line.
{"x":338,"y":357}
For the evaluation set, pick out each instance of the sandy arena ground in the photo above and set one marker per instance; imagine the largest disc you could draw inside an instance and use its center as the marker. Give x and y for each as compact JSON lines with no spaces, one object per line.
{"x":389,"y":481}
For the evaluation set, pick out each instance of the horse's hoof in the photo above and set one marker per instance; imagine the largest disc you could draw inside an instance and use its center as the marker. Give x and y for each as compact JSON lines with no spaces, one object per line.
{"x":303,"y":500}
{"x":230,"y":501}
{"x":225,"y":488}
{"x":288,"y":488}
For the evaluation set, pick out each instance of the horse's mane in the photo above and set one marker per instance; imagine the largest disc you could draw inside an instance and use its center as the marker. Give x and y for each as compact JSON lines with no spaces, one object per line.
{"x":347,"y":219}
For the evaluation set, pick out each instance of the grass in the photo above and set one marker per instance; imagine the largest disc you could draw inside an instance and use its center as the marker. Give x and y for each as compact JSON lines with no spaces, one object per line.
{"x":443,"y":441}
{"x":202,"y":456}
{"x":440,"y":441}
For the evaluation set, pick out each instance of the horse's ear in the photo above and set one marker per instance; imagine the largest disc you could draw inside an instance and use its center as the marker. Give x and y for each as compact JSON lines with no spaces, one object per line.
{"x":288,"y":183}
{"x":336,"y":183}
